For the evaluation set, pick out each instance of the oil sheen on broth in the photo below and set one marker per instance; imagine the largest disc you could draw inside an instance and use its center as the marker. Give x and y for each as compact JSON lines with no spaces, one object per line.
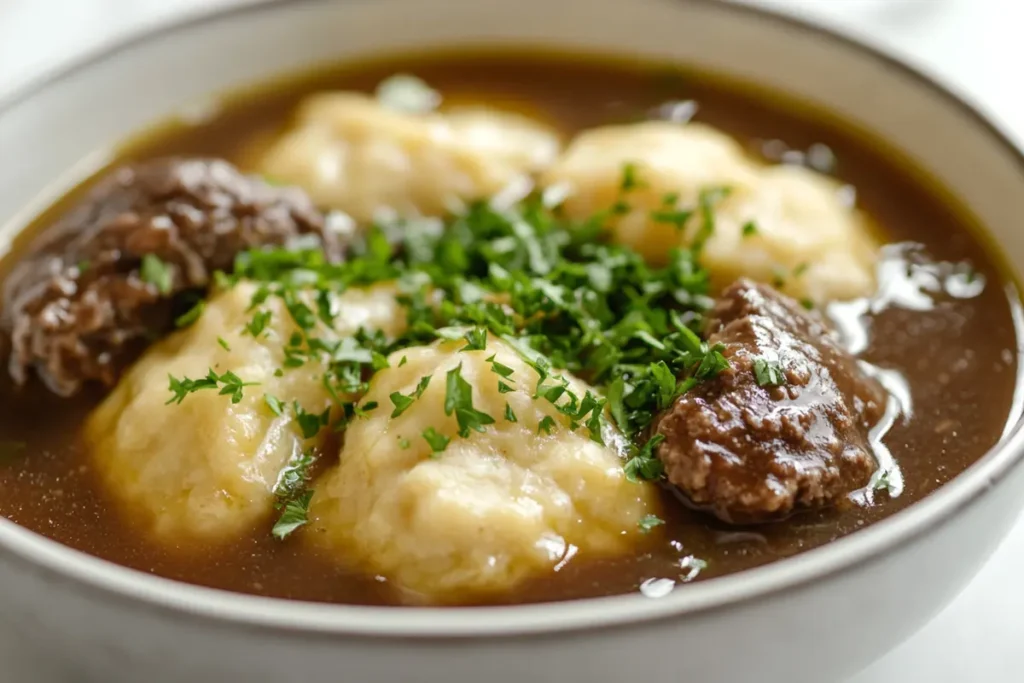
{"x":941,"y":331}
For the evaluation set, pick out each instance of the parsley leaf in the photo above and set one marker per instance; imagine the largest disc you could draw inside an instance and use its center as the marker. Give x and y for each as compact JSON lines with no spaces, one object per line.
{"x":437,"y":442}
{"x":546,"y":425}
{"x":157,"y":273}
{"x":768,"y":373}
{"x":230,"y":385}
{"x":274,"y":403}
{"x":310,"y":423}
{"x":292,"y":478}
{"x":191,"y":315}
{"x":647,"y":523}
{"x":458,"y":399}
{"x":294,"y":515}
{"x":401,"y":403}
{"x":644,"y":464}
{"x":476,"y":339}
{"x":258,"y":323}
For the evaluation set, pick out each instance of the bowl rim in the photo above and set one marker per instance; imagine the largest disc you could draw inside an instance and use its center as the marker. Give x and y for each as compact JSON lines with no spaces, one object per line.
{"x":60,"y":564}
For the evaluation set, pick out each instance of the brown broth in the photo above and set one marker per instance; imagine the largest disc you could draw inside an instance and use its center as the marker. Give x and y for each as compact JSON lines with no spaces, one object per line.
{"x":960,"y":358}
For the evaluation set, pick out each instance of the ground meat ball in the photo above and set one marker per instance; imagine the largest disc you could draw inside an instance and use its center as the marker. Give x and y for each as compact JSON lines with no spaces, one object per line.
{"x":77,"y":308}
{"x":749,"y":453}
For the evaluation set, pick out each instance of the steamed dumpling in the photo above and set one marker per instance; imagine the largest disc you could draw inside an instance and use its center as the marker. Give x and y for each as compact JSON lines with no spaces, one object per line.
{"x":351,"y":153}
{"x":206,"y":468}
{"x":779,"y":224}
{"x":489,"y":511}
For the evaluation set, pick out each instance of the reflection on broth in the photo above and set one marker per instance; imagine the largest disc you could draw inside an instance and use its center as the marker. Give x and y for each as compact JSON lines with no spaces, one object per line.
{"x":517,"y":328}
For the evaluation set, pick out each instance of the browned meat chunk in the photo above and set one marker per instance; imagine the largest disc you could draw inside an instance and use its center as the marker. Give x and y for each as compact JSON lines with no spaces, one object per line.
{"x":785,"y":428}
{"x":81,"y":303}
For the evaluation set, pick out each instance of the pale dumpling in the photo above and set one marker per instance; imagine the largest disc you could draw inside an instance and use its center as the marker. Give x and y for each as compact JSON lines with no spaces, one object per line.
{"x":492,"y":509}
{"x":353,"y":154}
{"x":206,"y":468}
{"x":784,"y":225}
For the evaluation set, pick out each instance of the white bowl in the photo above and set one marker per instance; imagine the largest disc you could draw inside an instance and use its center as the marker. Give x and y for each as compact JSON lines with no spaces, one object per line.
{"x":817,"y":617}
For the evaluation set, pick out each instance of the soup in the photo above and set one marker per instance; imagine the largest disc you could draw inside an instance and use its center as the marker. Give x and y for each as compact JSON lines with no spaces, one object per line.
{"x":522,"y":327}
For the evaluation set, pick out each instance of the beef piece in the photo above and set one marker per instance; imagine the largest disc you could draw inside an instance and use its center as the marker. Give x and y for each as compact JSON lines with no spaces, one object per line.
{"x":77,"y":307}
{"x":752,"y":453}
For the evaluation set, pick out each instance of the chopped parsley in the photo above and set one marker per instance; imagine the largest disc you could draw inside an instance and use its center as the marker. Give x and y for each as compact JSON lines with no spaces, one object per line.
{"x":258,"y":323}
{"x":499,"y":369}
{"x":546,"y":425}
{"x":630,"y":178}
{"x":644,"y":464}
{"x":677,"y":218}
{"x":559,"y":292}
{"x":295,"y":514}
{"x":310,"y":423}
{"x":749,"y":229}
{"x":191,"y":315}
{"x":293,"y":477}
{"x":229,"y":383}
{"x":647,"y":523}
{"x":401,"y":403}
{"x":223,"y":343}
{"x":156,"y":272}
{"x":768,"y":373}
{"x":458,"y":399}
{"x":437,"y":442}
{"x":476,"y":339}
{"x":274,"y":403}
{"x":292,"y":496}
{"x":883,"y":483}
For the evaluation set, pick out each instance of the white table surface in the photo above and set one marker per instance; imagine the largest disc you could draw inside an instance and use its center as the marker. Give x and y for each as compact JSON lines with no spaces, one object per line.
{"x":974,"y":45}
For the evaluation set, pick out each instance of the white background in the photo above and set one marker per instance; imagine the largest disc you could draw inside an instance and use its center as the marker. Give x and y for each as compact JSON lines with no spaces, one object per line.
{"x":977,"y":46}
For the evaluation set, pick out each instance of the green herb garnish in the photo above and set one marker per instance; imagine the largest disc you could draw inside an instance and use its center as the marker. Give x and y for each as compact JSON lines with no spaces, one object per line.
{"x":546,"y":425}
{"x":768,"y":373}
{"x":157,"y":273}
{"x":458,"y":399}
{"x":191,"y":315}
{"x":294,"y":515}
{"x":647,"y":523}
{"x":274,"y":403}
{"x":230,"y":385}
{"x":437,"y":442}
{"x":258,"y":323}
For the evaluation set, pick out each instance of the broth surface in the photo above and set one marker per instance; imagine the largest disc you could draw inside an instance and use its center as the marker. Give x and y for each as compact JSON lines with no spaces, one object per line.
{"x":958,"y":357}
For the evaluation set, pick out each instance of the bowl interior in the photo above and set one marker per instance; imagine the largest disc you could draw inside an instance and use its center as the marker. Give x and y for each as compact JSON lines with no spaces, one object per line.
{"x":61,"y":129}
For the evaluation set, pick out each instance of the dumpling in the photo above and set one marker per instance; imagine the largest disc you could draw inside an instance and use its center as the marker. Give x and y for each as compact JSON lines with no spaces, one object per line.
{"x":353,"y":154}
{"x":784,"y":225}
{"x":206,"y":468}
{"x":492,"y":509}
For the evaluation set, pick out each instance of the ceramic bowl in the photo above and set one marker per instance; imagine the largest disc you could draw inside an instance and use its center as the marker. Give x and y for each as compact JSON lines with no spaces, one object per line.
{"x":815,"y":618}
